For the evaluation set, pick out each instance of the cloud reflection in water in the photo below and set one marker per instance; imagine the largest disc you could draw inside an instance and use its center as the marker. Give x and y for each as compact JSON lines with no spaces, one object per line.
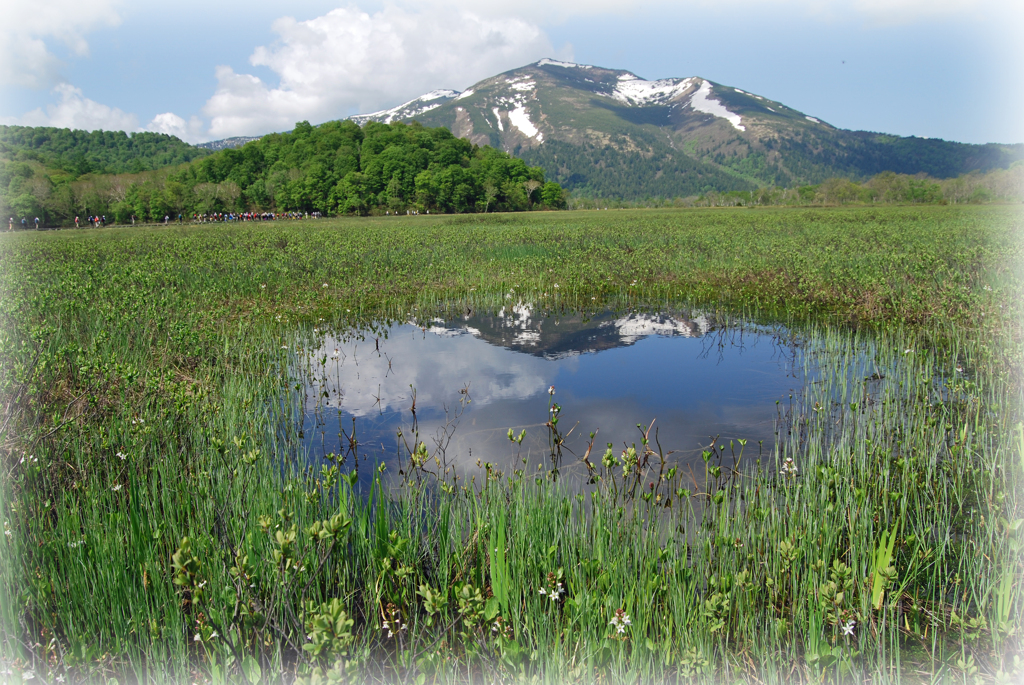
{"x":610,"y":373}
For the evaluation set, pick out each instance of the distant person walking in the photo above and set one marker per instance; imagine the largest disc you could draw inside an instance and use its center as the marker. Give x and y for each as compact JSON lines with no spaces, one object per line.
{"x":37,"y":223}
{"x":166,"y":219}
{"x":24,"y":224}
{"x":10,"y":224}
{"x":133,"y":219}
{"x":76,"y":223}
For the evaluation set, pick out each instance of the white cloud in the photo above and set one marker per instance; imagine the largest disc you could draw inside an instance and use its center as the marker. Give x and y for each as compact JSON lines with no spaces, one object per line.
{"x":78,"y":112}
{"x":170,"y":123}
{"x":25,"y":28}
{"x":349,"y":60}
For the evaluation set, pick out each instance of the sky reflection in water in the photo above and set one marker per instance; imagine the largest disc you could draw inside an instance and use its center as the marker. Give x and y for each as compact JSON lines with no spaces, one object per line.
{"x":610,"y":373}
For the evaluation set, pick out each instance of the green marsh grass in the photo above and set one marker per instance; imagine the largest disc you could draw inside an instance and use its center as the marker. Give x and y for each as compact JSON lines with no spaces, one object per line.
{"x":143,"y":373}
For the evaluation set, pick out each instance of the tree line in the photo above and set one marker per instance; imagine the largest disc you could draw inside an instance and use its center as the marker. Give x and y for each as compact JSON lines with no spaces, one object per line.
{"x":340,"y":168}
{"x":334,"y":168}
{"x":999,"y":185}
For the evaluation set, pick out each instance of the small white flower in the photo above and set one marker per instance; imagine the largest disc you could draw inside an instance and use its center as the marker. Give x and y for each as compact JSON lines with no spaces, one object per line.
{"x":284,"y":347}
{"x":59,"y":679}
{"x":263,"y":286}
{"x":788,"y":467}
{"x":551,"y":390}
{"x":117,"y":487}
{"x":214,"y":634}
{"x":620,"y":620}
{"x":848,"y":628}
{"x":197,"y":638}
{"x":121,"y":455}
{"x":556,"y":285}
{"x":325,"y":285}
{"x":907,"y":351}
{"x":28,"y":675}
{"x":543,"y":591}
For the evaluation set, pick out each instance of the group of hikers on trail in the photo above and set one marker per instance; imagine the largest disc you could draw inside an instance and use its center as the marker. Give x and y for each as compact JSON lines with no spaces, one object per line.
{"x":100,"y":221}
{"x":96,"y":221}
{"x":251,"y":216}
{"x":24,"y":223}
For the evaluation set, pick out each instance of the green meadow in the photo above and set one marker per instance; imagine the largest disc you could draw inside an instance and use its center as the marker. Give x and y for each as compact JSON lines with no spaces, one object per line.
{"x":156,"y":530}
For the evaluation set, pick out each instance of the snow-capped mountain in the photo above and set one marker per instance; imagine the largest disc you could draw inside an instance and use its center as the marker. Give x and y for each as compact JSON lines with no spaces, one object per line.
{"x":525,"y":328}
{"x":614,"y":133}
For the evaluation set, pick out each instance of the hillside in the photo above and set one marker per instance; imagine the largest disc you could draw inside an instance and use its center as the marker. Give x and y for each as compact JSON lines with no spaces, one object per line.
{"x":609,"y":132}
{"x":103,"y":152}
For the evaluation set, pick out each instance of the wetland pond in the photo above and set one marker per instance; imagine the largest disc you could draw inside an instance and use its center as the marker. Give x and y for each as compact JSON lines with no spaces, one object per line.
{"x":475,"y":378}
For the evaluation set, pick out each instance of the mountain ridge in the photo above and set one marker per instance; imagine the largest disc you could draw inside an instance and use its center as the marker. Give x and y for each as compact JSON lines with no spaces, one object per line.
{"x":610,"y":132}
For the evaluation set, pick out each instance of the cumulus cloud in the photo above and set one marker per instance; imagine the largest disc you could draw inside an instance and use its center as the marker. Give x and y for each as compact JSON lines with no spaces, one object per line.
{"x":27,"y":27}
{"x":170,"y":123}
{"x":349,"y":60}
{"x":75,"y":111}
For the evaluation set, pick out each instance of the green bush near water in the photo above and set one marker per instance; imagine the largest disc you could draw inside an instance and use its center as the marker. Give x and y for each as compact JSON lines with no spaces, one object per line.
{"x":140,"y":369}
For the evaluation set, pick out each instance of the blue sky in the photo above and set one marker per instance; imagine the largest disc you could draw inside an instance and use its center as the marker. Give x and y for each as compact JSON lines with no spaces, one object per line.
{"x":949,"y":69}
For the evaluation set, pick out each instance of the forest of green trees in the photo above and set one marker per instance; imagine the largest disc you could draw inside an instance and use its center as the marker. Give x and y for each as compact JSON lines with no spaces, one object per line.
{"x":335,"y":168}
{"x":102,"y":152}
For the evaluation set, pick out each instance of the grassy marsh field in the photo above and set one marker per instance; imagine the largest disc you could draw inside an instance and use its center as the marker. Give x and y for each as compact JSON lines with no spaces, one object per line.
{"x":152,"y":534}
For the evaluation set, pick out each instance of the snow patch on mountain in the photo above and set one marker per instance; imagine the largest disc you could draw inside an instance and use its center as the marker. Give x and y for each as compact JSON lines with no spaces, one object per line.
{"x":435,"y":94}
{"x":636,"y":91}
{"x":409,"y":109}
{"x":567,"y":65}
{"x":702,"y":102}
{"x":520,"y":118}
{"x":812,"y":119}
{"x":465,"y":94}
{"x":497,"y":115}
{"x":522,"y":85}
{"x":634,"y":327}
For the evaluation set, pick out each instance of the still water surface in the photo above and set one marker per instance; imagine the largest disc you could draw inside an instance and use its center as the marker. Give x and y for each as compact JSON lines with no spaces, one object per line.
{"x":695,"y":380}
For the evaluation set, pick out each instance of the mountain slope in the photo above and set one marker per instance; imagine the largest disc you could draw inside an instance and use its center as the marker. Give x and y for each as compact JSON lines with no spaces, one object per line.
{"x":609,"y":132}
